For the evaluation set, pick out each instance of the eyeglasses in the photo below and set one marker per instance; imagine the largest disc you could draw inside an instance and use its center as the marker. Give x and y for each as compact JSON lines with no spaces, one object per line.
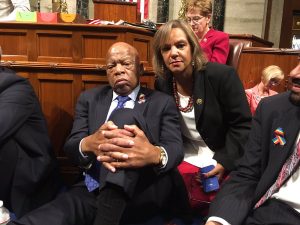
{"x":274,"y":82}
{"x":195,"y":19}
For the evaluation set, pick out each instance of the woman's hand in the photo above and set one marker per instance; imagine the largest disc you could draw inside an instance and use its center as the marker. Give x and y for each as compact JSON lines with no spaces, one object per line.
{"x":218,"y":171}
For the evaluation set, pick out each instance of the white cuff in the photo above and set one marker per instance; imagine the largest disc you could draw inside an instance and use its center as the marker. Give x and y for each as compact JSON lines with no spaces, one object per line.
{"x":80,"y":151}
{"x":218,"y":219}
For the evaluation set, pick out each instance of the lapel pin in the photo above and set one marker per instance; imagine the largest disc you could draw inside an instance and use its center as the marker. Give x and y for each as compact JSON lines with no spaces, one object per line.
{"x":199,"y":101}
{"x":279,"y":140}
{"x":279,"y":131}
{"x":279,"y":137}
{"x":141,"y":98}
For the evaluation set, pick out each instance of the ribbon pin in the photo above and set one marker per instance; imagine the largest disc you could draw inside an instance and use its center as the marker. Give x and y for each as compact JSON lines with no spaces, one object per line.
{"x":279,"y":137}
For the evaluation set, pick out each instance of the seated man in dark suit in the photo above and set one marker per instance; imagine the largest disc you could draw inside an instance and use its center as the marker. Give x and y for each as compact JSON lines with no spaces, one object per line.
{"x":154,"y":144}
{"x":264,"y":189}
{"x":28,"y":168}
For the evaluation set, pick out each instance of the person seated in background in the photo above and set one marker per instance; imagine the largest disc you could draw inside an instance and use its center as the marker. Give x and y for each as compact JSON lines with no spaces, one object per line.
{"x":214,"y":115}
{"x":214,"y":43}
{"x":154,"y":157}
{"x":264,"y":189}
{"x":9,"y":8}
{"x":270,"y":78}
{"x":28,"y":168}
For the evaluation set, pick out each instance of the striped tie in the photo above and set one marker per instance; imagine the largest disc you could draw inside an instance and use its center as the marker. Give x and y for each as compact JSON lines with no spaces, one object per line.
{"x":287,"y":170}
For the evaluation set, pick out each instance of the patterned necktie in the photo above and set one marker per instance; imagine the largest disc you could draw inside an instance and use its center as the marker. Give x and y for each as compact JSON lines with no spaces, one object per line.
{"x":92,"y":175}
{"x":121,"y":101}
{"x":287,"y":170}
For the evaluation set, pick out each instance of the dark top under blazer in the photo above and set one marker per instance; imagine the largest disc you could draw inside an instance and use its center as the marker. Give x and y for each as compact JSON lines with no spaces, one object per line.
{"x":222,"y":113}
{"x":28,"y":168}
{"x":263,"y":160}
{"x":159,"y":110}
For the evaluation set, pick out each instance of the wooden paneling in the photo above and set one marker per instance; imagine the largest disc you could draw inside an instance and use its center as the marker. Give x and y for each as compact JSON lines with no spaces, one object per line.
{"x":250,"y":40}
{"x":90,"y":81}
{"x":140,"y":42}
{"x":115,"y":11}
{"x":254,"y":60}
{"x":19,"y":48}
{"x":57,"y":101}
{"x":95,"y":46}
{"x":54,"y":47}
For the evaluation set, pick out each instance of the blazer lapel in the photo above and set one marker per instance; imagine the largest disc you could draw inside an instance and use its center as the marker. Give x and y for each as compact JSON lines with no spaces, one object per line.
{"x":199,"y":94}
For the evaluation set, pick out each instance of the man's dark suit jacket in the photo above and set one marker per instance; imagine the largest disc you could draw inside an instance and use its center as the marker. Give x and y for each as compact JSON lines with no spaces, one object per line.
{"x":263,"y":160}
{"x":28,"y":168}
{"x":161,"y":116}
{"x":222,"y":113}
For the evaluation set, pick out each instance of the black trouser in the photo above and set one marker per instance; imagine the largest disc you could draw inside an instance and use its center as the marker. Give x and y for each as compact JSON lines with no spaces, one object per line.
{"x":273,"y":212}
{"x":77,"y":206}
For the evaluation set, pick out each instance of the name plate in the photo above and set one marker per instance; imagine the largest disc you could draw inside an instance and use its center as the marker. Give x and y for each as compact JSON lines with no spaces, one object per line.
{"x":47,"y":17}
{"x":71,"y":18}
{"x":26,"y":17}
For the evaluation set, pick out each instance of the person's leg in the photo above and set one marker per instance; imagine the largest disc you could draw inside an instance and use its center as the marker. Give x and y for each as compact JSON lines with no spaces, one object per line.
{"x":273,"y":212}
{"x":111,"y":203}
{"x":74,"y":207}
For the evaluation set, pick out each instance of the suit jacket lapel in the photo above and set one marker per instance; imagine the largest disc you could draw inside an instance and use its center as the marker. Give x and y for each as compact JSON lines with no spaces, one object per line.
{"x":278,"y":154}
{"x":141,"y":103}
{"x":102,"y":106}
{"x":290,"y":127}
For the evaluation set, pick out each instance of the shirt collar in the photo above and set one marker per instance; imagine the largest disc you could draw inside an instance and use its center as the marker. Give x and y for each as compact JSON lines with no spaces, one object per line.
{"x":132,"y":95}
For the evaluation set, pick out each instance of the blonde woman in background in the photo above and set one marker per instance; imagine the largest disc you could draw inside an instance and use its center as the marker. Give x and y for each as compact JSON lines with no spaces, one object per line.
{"x":215,"y":44}
{"x":271,"y":77}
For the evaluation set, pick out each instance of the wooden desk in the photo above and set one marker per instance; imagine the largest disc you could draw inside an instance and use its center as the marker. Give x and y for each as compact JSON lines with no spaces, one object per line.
{"x":250,"y":40}
{"x":62,"y":60}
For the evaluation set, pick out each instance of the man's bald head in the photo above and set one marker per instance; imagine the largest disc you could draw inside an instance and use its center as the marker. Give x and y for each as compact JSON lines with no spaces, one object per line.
{"x":123,"y":46}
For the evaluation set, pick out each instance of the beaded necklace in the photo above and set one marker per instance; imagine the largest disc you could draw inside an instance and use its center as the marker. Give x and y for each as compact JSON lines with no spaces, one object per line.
{"x":190,"y":104}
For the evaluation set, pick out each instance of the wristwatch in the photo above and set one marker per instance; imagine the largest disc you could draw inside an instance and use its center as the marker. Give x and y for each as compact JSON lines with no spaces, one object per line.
{"x":163,"y":159}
